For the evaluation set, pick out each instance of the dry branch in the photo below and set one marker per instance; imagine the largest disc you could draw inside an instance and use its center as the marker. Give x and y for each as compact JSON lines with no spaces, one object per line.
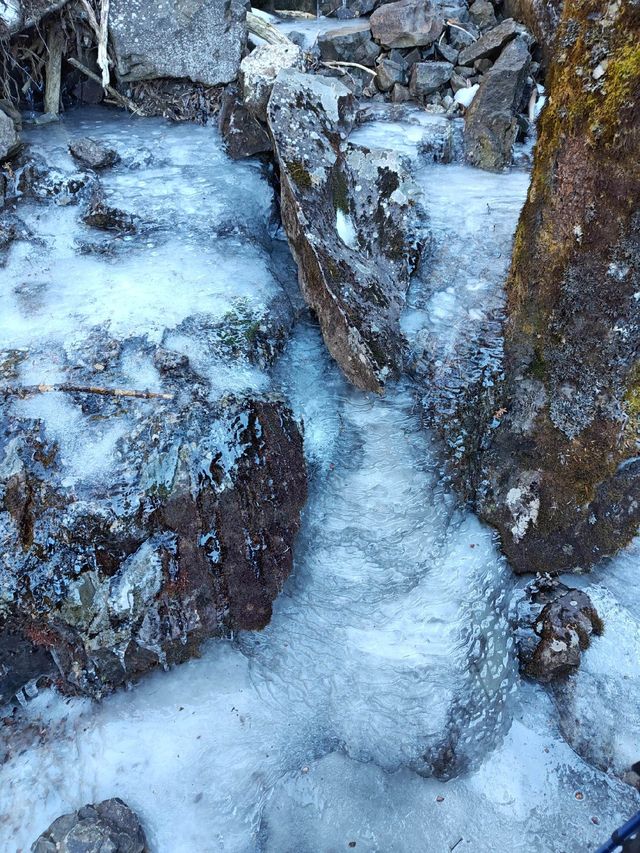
{"x":125,"y":102}
{"x":66,"y":388}
{"x":264,"y":30}
{"x":337,"y":64}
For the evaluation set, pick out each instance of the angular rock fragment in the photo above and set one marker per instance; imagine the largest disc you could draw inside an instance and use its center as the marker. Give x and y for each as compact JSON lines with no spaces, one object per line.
{"x":92,"y":154}
{"x":201,"y":41}
{"x":428,"y":77}
{"x":349,"y":44}
{"x":406,"y":23}
{"x":388,"y":73}
{"x":555,"y":625}
{"x":491,"y":124}
{"x":491,"y":43}
{"x":106,"y":827}
{"x":482,"y":14}
{"x":351,"y":218}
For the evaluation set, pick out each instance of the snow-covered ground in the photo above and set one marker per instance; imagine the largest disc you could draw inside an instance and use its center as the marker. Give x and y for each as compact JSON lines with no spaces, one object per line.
{"x":389,"y":655}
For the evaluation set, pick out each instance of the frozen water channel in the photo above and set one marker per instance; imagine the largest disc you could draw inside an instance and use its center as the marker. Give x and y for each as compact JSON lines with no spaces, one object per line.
{"x":388,"y":666}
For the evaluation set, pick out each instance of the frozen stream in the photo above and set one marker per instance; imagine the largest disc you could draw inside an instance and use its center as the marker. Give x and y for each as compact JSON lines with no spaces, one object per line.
{"x":389,"y":653}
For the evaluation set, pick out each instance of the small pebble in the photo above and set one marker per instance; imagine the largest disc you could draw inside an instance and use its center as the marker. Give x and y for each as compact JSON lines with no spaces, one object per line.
{"x":579,"y":795}
{"x":439,"y":799}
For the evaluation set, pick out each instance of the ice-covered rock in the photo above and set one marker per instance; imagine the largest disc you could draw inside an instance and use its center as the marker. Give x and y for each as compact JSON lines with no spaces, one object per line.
{"x":351,"y":218}
{"x":554,"y":626}
{"x":107,"y":826}
{"x":93,"y":154}
{"x":134,"y":525}
{"x":202,"y":41}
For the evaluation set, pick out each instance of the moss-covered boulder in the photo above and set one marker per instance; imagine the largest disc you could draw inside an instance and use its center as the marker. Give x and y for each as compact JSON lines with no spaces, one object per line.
{"x":560,"y":478}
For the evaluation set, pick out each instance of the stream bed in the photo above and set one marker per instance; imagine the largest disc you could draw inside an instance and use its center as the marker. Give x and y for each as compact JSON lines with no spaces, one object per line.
{"x":381,"y":706}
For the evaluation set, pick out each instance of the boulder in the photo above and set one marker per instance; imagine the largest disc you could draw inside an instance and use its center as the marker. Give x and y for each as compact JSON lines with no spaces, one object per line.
{"x":9,"y":139}
{"x":555,"y":625}
{"x":489,"y":45}
{"x":189,"y":535}
{"x":428,"y":77}
{"x":491,"y":124}
{"x":351,"y":218}
{"x":202,"y":40}
{"x":349,"y":44}
{"x":407,"y":23}
{"x":559,"y":476}
{"x":259,"y":70}
{"x":244,"y":135}
{"x":106,"y":827}
{"x":92,"y":154}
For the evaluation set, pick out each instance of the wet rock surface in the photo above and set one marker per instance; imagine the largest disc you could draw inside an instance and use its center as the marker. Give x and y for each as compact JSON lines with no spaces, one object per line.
{"x":202,"y":41}
{"x":351,"y":218}
{"x":554,"y":626}
{"x":107,"y":826}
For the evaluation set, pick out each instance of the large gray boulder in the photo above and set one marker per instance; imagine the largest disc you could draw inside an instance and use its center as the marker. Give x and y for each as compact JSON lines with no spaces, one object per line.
{"x":202,"y":40}
{"x":107,"y":827}
{"x":407,"y":23}
{"x":491,"y":123}
{"x":351,"y":218}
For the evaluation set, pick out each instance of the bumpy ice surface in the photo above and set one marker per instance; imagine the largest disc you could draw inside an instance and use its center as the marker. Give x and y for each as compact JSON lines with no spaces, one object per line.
{"x":389,"y":653}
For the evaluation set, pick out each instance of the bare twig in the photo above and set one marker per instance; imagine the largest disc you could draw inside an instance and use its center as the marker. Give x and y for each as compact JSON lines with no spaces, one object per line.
{"x":462,"y":29}
{"x":66,"y":388}
{"x":121,"y":99}
{"x":337,"y":64}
